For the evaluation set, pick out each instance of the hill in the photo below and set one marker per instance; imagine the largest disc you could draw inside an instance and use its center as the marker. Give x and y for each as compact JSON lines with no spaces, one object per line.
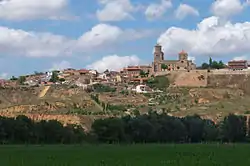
{"x":58,"y":102}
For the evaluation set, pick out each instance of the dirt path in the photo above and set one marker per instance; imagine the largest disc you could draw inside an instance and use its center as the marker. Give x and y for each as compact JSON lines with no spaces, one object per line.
{"x":44,"y":91}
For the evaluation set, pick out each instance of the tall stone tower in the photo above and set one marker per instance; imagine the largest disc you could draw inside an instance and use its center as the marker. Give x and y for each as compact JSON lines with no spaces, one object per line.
{"x":158,"y":57}
{"x":183,"y":56}
{"x":158,"y":54}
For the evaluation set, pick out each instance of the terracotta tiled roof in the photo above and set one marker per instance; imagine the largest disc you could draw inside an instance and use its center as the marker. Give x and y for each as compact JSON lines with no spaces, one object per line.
{"x":238,"y":61}
{"x":182,"y":52}
{"x":83,"y":70}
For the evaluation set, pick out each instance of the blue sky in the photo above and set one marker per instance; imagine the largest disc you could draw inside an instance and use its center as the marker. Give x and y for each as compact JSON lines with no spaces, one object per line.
{"x":40,"y":35}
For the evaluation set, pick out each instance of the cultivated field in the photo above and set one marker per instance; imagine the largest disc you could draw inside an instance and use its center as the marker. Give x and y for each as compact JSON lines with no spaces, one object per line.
{"x":134,"y":155}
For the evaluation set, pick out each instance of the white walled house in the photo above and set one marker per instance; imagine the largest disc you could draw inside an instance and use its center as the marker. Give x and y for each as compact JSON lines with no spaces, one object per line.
{"x":140,"y":89}
{"x":102,"y":76}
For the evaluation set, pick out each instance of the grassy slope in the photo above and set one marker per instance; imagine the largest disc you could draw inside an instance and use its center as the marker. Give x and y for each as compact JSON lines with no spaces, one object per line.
{"x":136,"y":155}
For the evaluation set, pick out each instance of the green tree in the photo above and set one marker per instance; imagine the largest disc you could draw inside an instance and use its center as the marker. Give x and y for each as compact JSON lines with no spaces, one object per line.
{"x":205,"y":66}
{"x":38,"y":73}
{"x":158,"y":82}
{"x":13,"y":78}
{"x":194,"y":125}
{"x":54,"y":78}
{"x":210,"y":131}
{"x":210,"y":62}
{"x":109,"y":130}
{"x":142,"y":73}
{"x":233,"y":128}
{"x":21,"y":80}
{"x":221,"y":64}
{"x":164,"y":66}
{"x":62,"y":79}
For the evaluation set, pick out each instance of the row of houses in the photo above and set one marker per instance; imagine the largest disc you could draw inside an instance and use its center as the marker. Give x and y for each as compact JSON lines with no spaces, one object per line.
{"x":84,"y":77}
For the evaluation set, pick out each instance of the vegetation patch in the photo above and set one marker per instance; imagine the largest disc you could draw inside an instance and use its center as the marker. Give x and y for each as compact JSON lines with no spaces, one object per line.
{"x":134,"y":155}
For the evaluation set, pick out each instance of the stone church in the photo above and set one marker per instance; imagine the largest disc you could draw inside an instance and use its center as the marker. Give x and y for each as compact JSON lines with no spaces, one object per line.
{"x":181,"y":64}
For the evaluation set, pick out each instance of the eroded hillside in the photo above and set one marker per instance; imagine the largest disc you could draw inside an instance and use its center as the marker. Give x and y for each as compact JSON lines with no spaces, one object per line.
{"x":56,"y":103}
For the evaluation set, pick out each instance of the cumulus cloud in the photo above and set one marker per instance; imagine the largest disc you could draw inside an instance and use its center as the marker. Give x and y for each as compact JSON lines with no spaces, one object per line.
{"x":115,"y":10}
{"x":192,"y":58}
{"x":209,"y":38}
{"x":114,"y":62}
{"x":227,"y":8}
{"x":33,"y":9}
{"x":157,"y":10}
{"x":243,"y":57}
{"x":185,"y":10}
{"x":34,"y":44}
{"x":61,"y":65}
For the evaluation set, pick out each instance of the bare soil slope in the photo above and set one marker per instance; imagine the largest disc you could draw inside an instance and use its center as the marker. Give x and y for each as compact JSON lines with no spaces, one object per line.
{"x":54,"y":104}
{"x":196,"y":78}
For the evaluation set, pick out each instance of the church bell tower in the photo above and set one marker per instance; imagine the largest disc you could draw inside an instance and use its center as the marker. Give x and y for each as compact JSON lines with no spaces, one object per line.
{"x":158,"y":53}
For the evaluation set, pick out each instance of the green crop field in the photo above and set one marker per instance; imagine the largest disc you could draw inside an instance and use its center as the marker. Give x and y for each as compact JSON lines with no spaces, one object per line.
{"x":134,"y":155}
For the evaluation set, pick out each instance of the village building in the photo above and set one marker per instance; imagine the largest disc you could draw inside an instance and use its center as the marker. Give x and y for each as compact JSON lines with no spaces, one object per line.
{"x":237,"y":65}
{"x":160,"y":64}
{"x":135,"y":71}
{"x":141,"y":89}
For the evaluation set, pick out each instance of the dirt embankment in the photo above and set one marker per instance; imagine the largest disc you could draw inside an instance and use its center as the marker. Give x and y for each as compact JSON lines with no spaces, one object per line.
{"x":194,"y":78}
{"x":55,"y":104}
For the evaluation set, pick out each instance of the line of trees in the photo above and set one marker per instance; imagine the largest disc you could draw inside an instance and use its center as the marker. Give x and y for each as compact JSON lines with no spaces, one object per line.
{"x":161,"y":128}
{"x":150,"y":128}
{"x":22,"y":130}
{"x":213,"y":64}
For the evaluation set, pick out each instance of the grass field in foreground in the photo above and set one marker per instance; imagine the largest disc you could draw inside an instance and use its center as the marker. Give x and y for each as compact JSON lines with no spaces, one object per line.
{"x":134,"y":155}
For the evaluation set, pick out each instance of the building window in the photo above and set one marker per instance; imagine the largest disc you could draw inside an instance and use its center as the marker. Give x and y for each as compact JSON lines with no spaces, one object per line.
{"x":182,"y":61}
{"x":178,"y":67}
{"x":155,"y":68}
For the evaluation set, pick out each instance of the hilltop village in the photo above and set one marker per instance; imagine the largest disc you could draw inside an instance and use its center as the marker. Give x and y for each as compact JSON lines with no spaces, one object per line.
{"x":130,"y":74}
{"x":178,"y":87}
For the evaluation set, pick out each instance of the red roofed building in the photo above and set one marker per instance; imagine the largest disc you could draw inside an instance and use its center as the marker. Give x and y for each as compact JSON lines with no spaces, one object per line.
{"x":134,"y":71}
{"x":237,"y":65}
{"x":83,"y":71}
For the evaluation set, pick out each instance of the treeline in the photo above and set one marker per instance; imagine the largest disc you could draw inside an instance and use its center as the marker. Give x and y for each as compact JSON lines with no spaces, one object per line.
{"x":151,"y":128}
{"x":22,"y":130}
{"x":212,"y":65}
{"x":161,"y":128}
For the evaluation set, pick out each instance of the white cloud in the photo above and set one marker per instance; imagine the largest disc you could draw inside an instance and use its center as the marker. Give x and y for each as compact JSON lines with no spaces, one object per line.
{"x":243,"y":57}
{"x":185,"y":10}
{"x":61,"y":65}
{"x":192,"y":58}
{"x":32,"y":9}
{"x":227,"y":8}
{"x":209,"y":38}
{"x":156,"y":11}
{"x":3,"y":75}
{"x":115,"y":10}
{"x":34,"y":44}
{"x":114,"y":62}
{"x":101,"y":34}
